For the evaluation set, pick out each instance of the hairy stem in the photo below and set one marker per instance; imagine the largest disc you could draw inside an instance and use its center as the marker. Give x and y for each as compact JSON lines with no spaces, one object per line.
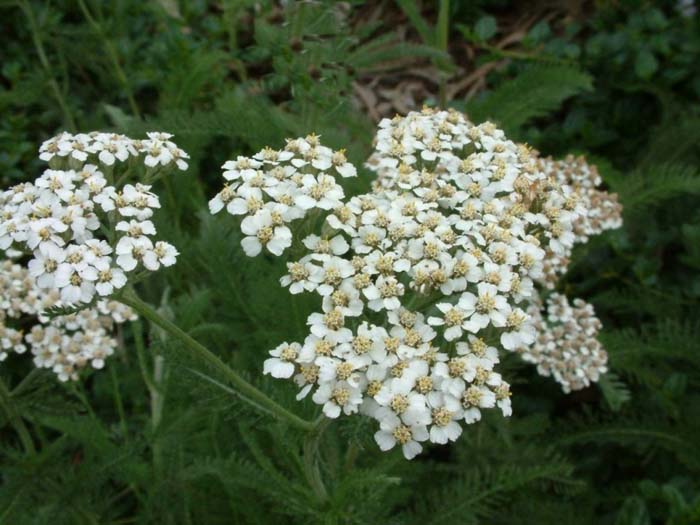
{"x":153,"y":385}
{"x":258,"y":397}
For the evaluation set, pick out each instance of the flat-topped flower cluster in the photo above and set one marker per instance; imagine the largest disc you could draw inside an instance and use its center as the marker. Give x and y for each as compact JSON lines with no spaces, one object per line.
{"x":274,"y":188}
{"x":567,"y":346}
{"x":84,"y":225}
{"x":85,"y":230}
{"x":425,"y":278}
{"x":63,"y":344}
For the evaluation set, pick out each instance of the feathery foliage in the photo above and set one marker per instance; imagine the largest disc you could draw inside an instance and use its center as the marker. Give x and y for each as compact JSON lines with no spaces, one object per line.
{"x":536,"y":92}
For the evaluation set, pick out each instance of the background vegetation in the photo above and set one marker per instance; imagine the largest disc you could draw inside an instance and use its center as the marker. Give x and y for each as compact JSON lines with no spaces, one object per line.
{"x":148,"y":441}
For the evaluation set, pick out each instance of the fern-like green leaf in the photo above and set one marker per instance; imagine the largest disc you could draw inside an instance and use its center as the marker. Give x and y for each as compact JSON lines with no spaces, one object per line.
{"x":59,"y":311}
{"x":373,"y":56}
{"x":614,"y":391}
{"x":657,"y":184}
{"x":412,"y":11}
{"x":476,"y":495}
{"x":534,"y":93}
{"x":674,"y":141}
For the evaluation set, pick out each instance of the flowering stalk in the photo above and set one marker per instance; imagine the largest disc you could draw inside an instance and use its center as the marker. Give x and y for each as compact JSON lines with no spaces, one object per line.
{"x":248,"y":391}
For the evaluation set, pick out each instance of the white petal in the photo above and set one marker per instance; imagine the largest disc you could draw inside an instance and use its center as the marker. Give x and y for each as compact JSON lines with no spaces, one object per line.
{"x":411,"y":449}
{"x":251,"y":246}
{"x":385,"y":440}
{"x":331,"y":410}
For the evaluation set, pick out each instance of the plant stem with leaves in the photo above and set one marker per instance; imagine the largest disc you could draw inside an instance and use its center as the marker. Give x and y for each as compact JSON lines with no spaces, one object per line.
{"x":247,"y":391}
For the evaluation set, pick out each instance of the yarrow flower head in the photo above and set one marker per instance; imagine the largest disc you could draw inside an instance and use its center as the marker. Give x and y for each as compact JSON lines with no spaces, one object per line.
{"x":276,"y":187}
{"x":566,"y":346}
{"x":423,"y":279}
{"x":64,"y":344}
{"x":85,"y":223}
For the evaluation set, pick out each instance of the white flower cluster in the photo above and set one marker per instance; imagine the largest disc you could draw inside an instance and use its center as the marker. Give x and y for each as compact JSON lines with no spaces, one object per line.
{"x":566,"y":346}
{"x":424,"y":278}
{"x":107,"y":148}
{"x":274,"y":188}
{"x":65,"y":344}
{"x":84,"y":229}
{"x":599,"y":210}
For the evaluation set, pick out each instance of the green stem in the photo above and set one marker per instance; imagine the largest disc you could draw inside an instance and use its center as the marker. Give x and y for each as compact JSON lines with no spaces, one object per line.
{"x":442,"y":40}
{"x":158,"y":400}
{"x":154,"y":387}
{"x":118,"y":401}
{"x":296,"y":316}
{"x":312,"y":470}
{"x":113,"y":56}
{"x":39,"y":46}
{"x":129,"y":298}
{"x":137,"y":329}
{"x":157,"y":403}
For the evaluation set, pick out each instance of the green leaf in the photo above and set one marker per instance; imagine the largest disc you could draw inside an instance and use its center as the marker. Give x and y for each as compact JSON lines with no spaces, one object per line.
{"x":481,"y":489}
{"x":651,"y":187}
{"x":485,"y":27}
{"x":614,"y":391}
{"x":646,"y":64}
{"x":59,"y":311}
{"x":412,"y":11}
{"x":539,"y":31}
{"x":534,"y":93}
{"x":119,"y":119}
{"x":633,"y":512}
{"x":673,"y":141}
{"x":379,"y":55}
{"x":675,"y":386}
